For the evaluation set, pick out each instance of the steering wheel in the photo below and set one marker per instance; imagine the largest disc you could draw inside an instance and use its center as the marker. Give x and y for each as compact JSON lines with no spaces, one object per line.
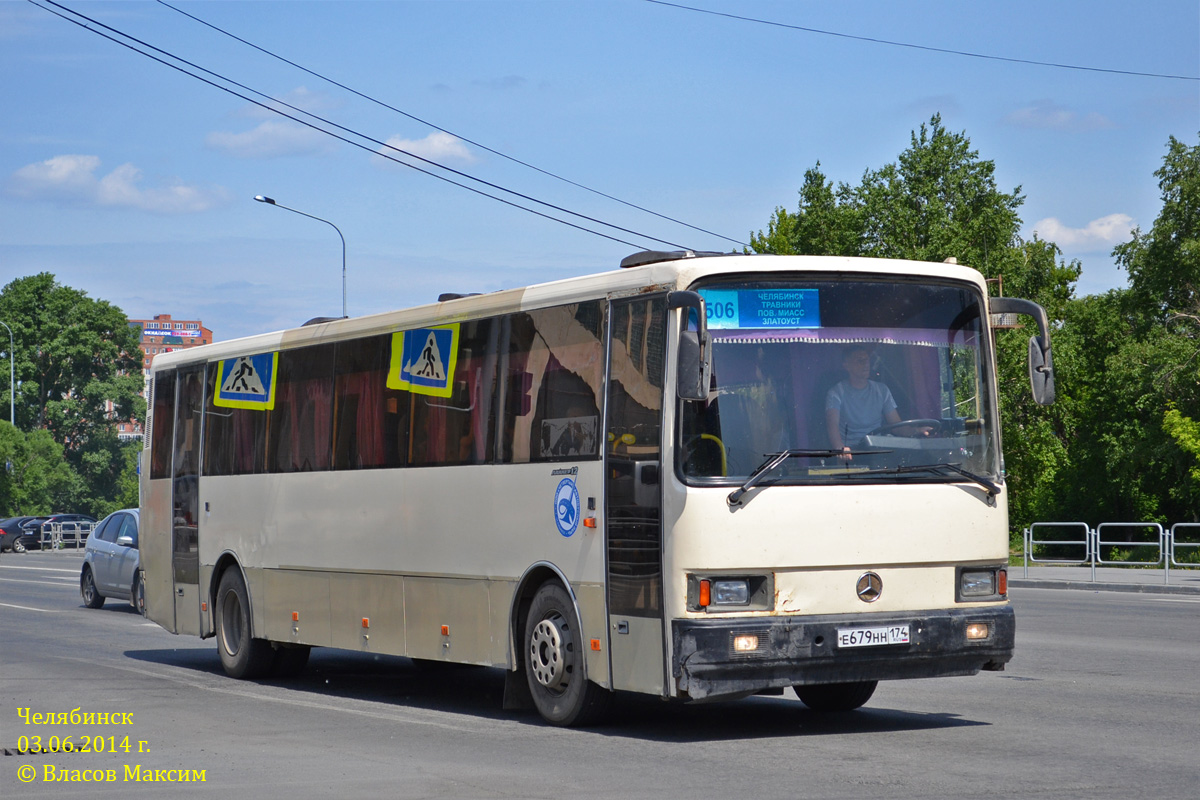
{"x":916,"y":423}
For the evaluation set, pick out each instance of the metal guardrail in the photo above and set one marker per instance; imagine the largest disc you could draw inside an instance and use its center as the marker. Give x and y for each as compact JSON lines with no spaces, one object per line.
{"x":1156,"y":547}
{"x":63,"y":535}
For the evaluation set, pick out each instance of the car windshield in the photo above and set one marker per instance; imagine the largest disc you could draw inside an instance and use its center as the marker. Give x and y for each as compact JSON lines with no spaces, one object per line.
{"x":862,"y":380}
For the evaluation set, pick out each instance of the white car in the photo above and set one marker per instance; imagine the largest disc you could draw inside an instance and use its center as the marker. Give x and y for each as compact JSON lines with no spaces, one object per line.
{"x":111,"y":566}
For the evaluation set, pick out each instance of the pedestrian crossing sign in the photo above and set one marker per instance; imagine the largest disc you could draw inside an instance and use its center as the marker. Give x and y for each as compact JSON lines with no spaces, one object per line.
{"x":423,"y":360}
{"x":247,"y":382}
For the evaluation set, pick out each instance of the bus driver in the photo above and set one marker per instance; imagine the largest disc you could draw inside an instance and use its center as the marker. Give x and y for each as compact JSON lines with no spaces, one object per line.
{"x":858,"y":405}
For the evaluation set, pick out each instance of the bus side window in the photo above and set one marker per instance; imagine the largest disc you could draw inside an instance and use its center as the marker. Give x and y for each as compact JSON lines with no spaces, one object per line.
{"x":301,"y":436}
{"x":555,"y":372}
{"x":163,"y":425}
{"x":366,"y":412}
{"x":458,"y":429}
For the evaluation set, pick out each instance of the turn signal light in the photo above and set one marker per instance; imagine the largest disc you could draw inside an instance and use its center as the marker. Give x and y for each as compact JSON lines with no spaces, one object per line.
{"x":705,"y":593}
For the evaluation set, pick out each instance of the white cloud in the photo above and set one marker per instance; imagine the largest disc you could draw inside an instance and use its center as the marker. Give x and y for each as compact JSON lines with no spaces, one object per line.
{"x":437,"y":146}
{"x":300,"y":97}
{"x":73,"y":179}
{"x":1047,"y":114}
{"x":1099,"y":234}
{"x":273,"y":138}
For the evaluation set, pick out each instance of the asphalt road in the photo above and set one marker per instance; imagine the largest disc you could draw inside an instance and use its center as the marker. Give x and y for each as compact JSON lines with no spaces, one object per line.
{"x":1101,"y":701}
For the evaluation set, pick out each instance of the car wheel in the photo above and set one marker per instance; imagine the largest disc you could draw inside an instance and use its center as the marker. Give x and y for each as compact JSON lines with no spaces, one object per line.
{"x":554,"y":662}
{"x":18,"y":547}
{"x":242,"y":656}
{"x":138,"y":593}
{"x":87,"y":587}
{"x":836,"y":696}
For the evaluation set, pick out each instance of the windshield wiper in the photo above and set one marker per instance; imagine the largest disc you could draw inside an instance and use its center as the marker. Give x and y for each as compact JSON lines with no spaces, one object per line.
{"x":986,"y":483}
{"x":775,"y":459}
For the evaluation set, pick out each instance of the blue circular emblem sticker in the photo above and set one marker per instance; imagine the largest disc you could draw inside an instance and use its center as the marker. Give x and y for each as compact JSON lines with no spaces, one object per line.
{"x":566,"y":507}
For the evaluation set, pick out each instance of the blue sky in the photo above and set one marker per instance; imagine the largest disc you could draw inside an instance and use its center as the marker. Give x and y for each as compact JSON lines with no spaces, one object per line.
{"x":135,"y":183}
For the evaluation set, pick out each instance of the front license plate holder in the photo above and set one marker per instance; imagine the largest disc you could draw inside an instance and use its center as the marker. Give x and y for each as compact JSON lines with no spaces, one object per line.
{"x":875,"y":636}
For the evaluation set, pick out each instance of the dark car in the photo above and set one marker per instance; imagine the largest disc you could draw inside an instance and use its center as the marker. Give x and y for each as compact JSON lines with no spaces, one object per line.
{"x":111,"y":566}
{"x":74,"y":528}
{"x":15,"y":532}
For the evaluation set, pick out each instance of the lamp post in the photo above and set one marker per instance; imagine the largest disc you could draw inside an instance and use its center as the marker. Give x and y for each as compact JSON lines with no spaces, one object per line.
{"x":262,"y":199}
{"x":12,"y":376}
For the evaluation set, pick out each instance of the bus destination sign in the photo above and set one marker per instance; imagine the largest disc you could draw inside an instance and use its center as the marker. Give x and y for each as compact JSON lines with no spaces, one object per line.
{"x":762,"y":308}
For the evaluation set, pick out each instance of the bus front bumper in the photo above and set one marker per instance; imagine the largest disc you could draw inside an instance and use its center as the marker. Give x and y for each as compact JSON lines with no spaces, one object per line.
{"x":793,"y":651}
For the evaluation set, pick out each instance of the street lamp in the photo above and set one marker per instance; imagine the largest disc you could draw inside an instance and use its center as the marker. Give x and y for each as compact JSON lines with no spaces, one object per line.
{"x":12,"y":376}
{"x":260,"y":198}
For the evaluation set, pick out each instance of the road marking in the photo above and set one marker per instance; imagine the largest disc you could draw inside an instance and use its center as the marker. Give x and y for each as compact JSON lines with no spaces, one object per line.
{"x":67,"y":582}
{"x":1174,"y":600}
{"x":27,"y":608}
{"x":43,"y":569}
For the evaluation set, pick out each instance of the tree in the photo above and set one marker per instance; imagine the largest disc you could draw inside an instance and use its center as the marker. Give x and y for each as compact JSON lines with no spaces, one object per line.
{"x":34,"y":478}
{"x":78,"y":364}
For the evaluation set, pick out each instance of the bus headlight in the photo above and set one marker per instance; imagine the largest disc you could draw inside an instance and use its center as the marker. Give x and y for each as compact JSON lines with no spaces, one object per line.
{"x":731,"y":592}
{"x":977,"y":584}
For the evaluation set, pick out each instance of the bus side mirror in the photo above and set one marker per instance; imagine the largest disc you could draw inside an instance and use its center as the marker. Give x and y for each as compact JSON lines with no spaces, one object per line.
{"x":1041,"y":363}
{"x":692,"y":372}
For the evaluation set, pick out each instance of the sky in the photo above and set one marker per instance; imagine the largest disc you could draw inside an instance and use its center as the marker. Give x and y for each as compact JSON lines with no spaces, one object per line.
{"x":136,"y":183}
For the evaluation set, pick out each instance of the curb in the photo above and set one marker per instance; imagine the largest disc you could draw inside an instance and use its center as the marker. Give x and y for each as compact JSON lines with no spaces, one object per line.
{"x":1141,"y":588}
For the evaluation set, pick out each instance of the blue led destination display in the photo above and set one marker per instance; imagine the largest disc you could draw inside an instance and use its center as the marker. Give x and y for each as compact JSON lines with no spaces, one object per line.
{"x":762,"y":308}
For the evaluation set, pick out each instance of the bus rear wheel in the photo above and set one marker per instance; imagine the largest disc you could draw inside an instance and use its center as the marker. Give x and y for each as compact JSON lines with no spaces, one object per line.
{"x":836,"y":696}
{"x":554,"y":662}
{"x":241,"y":655}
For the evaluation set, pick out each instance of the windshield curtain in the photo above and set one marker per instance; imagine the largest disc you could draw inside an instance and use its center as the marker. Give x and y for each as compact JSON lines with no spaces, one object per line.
{"x":893,"y":371}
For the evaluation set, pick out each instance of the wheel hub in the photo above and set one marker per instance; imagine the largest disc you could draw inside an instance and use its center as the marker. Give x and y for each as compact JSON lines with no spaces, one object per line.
{"x":548,"y":648}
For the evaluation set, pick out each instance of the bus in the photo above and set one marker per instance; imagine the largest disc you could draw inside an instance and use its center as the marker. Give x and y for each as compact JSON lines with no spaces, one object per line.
{"x":646,"y":480}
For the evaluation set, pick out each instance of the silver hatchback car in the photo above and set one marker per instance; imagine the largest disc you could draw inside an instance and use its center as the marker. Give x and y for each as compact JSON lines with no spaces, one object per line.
{"x":111,"y":567}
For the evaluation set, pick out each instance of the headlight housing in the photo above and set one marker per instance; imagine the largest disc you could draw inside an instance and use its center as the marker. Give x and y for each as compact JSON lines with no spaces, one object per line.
{"x":719,"y":593}
{"x":976,"y":584}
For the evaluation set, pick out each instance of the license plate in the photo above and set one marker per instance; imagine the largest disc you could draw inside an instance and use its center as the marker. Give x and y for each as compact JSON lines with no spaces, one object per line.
{"x":870,"y":637}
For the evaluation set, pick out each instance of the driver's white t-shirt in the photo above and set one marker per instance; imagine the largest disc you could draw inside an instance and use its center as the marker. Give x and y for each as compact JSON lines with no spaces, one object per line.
{"x":860,"y":411}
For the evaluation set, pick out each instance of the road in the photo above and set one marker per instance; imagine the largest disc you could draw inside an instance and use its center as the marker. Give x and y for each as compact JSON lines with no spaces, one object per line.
{"x":1101,"y":701}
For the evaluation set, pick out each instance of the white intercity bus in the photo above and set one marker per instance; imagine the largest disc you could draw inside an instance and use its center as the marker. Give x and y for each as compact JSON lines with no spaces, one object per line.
{"x":657,"y":480}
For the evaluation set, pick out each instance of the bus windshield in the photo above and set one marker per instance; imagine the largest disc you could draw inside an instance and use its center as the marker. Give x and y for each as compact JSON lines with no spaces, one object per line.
{"x":861,"y":379}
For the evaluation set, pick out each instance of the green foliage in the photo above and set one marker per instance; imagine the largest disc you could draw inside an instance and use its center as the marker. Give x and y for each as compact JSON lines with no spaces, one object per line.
{"x":1186,"y":433}
{"x":40,"y":481}
{"x":78,"y":367}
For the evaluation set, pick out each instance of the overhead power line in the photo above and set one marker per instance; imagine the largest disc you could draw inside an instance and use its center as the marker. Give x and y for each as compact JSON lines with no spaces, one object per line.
{"x":63,"y":12}
{"x":437,"y":127}
{"x":912,"y":46}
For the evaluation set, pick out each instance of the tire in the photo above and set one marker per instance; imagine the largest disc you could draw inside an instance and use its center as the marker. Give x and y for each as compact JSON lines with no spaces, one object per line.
{"x":288,"y":662}
{"x":87,"y":587}
{"x":18,"y":547}
{"x":137,"y":595}
{"x":241,"y":655}
{"x":553,"y":660}
{"x":827,"y":697}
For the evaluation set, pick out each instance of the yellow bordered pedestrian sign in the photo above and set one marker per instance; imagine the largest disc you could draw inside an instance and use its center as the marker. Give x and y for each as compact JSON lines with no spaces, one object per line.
{"x":247,"y":382}
{"x":423,"y":360}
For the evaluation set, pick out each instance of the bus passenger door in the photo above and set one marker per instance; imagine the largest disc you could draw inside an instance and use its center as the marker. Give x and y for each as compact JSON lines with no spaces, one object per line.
{"x":633,"y":493}
{"x":185,"y":502}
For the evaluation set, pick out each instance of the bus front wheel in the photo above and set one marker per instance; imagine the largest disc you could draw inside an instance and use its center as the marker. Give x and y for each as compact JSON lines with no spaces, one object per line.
{"x":554,"y":662}
{"x":241,"y":655}
{"x":836,"y":696}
